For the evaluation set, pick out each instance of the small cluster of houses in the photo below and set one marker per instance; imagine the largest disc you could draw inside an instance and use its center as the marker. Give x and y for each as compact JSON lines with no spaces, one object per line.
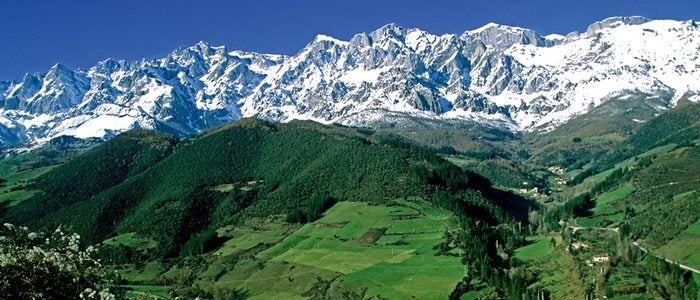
{"x":595,"y":259}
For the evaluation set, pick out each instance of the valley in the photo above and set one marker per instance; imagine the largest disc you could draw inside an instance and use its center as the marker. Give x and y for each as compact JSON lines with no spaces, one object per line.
{"x":371,"y":241}
{"x":396,"y":164}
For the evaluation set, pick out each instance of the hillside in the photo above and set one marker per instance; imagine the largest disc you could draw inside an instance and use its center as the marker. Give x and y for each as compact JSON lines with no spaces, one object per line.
{"x":172,"y":199}
{"x":302,"y":209}
{"x":637,"y":202}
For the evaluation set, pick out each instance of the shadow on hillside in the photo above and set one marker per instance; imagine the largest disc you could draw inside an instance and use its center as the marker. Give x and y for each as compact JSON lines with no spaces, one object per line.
{"x":513,"y":204}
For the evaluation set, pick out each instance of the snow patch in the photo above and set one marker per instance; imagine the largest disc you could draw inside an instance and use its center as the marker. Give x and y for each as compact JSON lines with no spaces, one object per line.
{"x":554,"y":37}
{"x":358,"y":76}
{"x":87,"y":127}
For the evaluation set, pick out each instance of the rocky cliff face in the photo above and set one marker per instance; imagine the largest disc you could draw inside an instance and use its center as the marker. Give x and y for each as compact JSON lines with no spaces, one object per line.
{"x":500,"y":75}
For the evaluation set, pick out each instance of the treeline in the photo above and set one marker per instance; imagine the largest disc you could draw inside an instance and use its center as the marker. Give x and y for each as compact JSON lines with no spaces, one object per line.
{"x":578,"y":206}
{"x":614,"y":179}
{"x":653,"y":224}
{"x":581,"y":205}
{"x":503,"y":172}
{"x":489,"y":233}
{"x":402,"y":142}
{"x":680,"y":282}
{"x":317,"y":204}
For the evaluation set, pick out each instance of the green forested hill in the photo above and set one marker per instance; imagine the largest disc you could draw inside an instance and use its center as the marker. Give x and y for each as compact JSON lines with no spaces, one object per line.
{"x":92,"y":172}
{"x":252,"y":168}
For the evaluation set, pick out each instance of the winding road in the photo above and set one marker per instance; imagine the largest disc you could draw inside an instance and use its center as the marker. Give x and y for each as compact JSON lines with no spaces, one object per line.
{"x":684,"y":267}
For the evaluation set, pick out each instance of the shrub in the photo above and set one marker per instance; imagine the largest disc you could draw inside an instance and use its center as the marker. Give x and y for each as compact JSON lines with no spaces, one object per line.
{"x":50,"y":266}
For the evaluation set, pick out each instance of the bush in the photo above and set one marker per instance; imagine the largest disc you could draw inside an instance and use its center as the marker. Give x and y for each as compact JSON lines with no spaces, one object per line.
{"x":50,"y":266}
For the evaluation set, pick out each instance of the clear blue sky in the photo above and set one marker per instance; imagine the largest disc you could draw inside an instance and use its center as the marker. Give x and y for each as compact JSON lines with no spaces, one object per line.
{"x":37,"y":34}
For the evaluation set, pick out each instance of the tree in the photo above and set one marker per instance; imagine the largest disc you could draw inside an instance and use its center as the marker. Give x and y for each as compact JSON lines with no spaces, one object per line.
{"x":50,"y":266}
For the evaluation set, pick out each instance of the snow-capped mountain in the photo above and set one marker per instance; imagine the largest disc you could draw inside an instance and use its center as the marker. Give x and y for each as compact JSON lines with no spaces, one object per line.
{"x":501,"y":75}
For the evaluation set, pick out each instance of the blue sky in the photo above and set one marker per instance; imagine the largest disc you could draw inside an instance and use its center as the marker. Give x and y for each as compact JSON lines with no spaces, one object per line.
{"x":36,"y":34}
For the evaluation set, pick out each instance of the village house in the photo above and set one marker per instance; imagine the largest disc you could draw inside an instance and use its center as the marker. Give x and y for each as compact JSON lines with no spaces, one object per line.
{"x":601,"y":257}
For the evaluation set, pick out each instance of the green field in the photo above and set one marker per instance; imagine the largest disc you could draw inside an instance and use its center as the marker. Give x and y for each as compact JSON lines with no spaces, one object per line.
{"x":356,"y":249}
{"x":153,"y":291}
{"x":13,"y":190}
{"x":606,"y":211}
{"x":694,"y":229}
{"x":387,"y":249}
{"x":539,"y":248}
{"x":427,"y":209}
{"x":598,"y":220}
{"x":685,"y":248}
{"x":255,"y":232}
{"x":556,"y":271}
{"x":144,"y":274}
{"x":131,"y":240}
{"x":603,"y":202}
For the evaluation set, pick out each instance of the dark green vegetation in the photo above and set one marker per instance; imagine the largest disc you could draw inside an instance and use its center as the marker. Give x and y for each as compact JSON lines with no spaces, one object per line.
{"x":640,"y":195}
{"x":19,"y":168}
{"x":153,"y":198}
{"x":303,"y":210}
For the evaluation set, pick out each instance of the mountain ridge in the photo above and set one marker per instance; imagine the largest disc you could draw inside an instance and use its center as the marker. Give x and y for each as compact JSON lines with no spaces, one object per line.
{"x":502,"y":76}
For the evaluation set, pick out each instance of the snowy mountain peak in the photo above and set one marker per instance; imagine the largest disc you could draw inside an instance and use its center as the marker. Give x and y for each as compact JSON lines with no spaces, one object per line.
{"x":499,"y":75}
{"x":326,"y":38}
{"x":613,"y":22}
{"x":491,"y":26}
{"x":503,"y":36}
{"x":388,"y":31}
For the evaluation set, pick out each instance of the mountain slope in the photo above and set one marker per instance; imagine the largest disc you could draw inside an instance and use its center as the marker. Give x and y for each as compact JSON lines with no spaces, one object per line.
{"x":247,"y":169}
{"x":497,"y":75}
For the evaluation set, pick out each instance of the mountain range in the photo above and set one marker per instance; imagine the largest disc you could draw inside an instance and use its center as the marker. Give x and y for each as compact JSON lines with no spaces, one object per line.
{"x":502,"y":76}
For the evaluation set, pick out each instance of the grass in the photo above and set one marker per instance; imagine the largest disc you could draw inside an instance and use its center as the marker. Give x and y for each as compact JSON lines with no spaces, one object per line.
{"x":148,"y":273}
{"x":430,"y":211}
{"x":255,"y":232}
{"x":408,"y":280}
{"x":158,"y":291}
{"x":557,"y":272}
{"x":631,"y":297}
{"x":597,"y":220}
{"x":272,"y":280}
{"x":14,"y":191}
{"x":337,"y":243}
{"x":538,"y":248}
{"x":131,"y":240}
{"x":603,"y":202}
{"x":694,"y":229}
{"x":685,"y":248}
{"x":683,"y":195}
{"x":354,"y":249}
